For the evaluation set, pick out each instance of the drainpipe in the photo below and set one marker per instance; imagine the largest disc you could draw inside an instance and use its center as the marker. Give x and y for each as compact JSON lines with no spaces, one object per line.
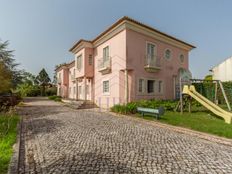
{"x":126,"y":86}
{"x":85,"y":88}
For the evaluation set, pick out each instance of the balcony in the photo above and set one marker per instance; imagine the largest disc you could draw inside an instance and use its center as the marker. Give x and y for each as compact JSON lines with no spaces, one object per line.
{"x":152,"y":63}
{"x":104,"y":65}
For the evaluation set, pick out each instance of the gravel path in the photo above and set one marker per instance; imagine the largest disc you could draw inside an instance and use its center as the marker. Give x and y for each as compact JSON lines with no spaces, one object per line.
{"x":58,"y":139}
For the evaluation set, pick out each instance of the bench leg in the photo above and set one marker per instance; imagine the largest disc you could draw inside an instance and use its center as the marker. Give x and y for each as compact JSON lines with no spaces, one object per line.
{"x":157,"y":116}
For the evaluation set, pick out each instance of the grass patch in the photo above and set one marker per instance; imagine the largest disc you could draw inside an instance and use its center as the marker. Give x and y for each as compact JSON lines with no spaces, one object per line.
{"x":55,"y":98}
{"x":199,"y":121}
{"x":7,"y":139}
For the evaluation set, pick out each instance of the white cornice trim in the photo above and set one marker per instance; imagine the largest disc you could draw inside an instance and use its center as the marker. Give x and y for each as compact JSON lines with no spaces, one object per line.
{"x":155,"y":35}
{"x":82,"y":45}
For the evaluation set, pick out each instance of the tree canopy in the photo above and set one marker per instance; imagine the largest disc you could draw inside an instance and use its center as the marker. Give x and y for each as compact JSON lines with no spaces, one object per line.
{"x":9,"y":66}
{"x":43,"y":80}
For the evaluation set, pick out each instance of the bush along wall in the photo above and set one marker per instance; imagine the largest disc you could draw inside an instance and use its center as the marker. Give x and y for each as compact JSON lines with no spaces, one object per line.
{"x":131,"y":107}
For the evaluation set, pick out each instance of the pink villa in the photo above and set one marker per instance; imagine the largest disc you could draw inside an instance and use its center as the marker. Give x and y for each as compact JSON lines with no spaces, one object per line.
{"x":129,"y":61}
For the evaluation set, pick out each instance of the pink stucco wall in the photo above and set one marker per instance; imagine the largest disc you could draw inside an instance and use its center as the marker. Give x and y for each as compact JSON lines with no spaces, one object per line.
{"x":63,"y":86}
{"x":72,"y":92}
{"x":127,"y":50}
{"x":89,"y":72}
{"x":136,"y":51}
{"x":117,"y":52}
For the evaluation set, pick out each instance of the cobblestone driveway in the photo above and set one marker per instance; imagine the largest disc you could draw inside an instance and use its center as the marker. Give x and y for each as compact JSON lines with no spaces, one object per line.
{"x":60,"y":140}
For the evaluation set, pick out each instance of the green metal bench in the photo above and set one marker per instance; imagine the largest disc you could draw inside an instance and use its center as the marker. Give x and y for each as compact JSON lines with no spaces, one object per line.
{"x":155,"y":112}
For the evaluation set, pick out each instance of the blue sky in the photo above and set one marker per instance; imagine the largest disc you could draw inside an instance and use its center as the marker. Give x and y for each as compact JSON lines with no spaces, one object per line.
{"x":42,"y":31}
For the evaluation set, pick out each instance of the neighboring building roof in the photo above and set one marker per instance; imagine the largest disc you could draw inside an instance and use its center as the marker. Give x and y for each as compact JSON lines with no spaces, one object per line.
{"x":125,"y":18}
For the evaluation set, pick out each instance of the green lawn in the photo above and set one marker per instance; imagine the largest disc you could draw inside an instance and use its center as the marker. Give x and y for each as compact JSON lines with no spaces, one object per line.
{"x":200,"y":121}
{"x":7,"y":140}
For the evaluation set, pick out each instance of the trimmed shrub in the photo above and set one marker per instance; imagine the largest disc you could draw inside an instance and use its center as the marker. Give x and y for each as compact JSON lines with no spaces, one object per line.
{"x":55,"y":98}
{"x":131,"y":108}
{"x":51,"y":91}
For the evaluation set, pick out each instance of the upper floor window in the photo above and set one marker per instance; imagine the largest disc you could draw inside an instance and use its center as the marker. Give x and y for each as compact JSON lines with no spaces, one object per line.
{"x":167,"y":54}
{"x":90,"y":59}
{"x":182,"y":58}
{"x":106,"y":53}
{"x":150,"y":50}
{"x":79,"y":62}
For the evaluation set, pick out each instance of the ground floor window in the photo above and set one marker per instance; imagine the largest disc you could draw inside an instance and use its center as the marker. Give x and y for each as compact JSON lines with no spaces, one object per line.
{"x":141,"y":85}
{"x":74,"y":90}
{"x":87,"y":89}
{"x":150,"y":86}
{"x":160,"y":88}
{"x":106,"y":86}
{"x":79,"y":90}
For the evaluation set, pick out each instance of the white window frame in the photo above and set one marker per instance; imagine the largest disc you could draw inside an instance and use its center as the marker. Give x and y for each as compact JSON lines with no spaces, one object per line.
{"x":79,"y":62}
{"x":155,"y":48}
{"x":143,"y":85}
{"x":106,"y":93}
{"x":108,"y":53}
{"x":160,"y":86}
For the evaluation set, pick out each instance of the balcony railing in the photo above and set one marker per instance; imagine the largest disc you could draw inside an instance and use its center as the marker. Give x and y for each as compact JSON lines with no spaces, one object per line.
{"x":152,"y":63}
{"x":104,"y":65}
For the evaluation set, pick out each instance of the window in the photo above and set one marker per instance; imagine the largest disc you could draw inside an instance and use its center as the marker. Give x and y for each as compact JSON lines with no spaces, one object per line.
{"x":79,"y":62}
{"x":141,"y":85}
{"x":87,"y":89}
{"x":150,"y":50}
{"x":74,"y":72}
{"x":181,"y":58}
{"x":160,"y":87}
{"x":79,"y":90}
{"x":90,"y":59}
{"x":74,"y":90}
{"x":106,"y":53}
{"x":150,"y":86}
{"x":106,"y":86}
{"x":167,"y":54}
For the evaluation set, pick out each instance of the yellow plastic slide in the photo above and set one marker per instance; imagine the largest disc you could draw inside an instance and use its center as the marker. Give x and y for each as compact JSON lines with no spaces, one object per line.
{"x":227,"y":116}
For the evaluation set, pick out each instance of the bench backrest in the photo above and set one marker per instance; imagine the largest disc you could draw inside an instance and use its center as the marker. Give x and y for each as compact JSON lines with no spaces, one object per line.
{"x":159,"y":111}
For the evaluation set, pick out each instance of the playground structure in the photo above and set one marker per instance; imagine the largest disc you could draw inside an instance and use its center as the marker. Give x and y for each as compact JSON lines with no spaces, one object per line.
{"x":191,"y":91}
{"x":187,"y":92}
